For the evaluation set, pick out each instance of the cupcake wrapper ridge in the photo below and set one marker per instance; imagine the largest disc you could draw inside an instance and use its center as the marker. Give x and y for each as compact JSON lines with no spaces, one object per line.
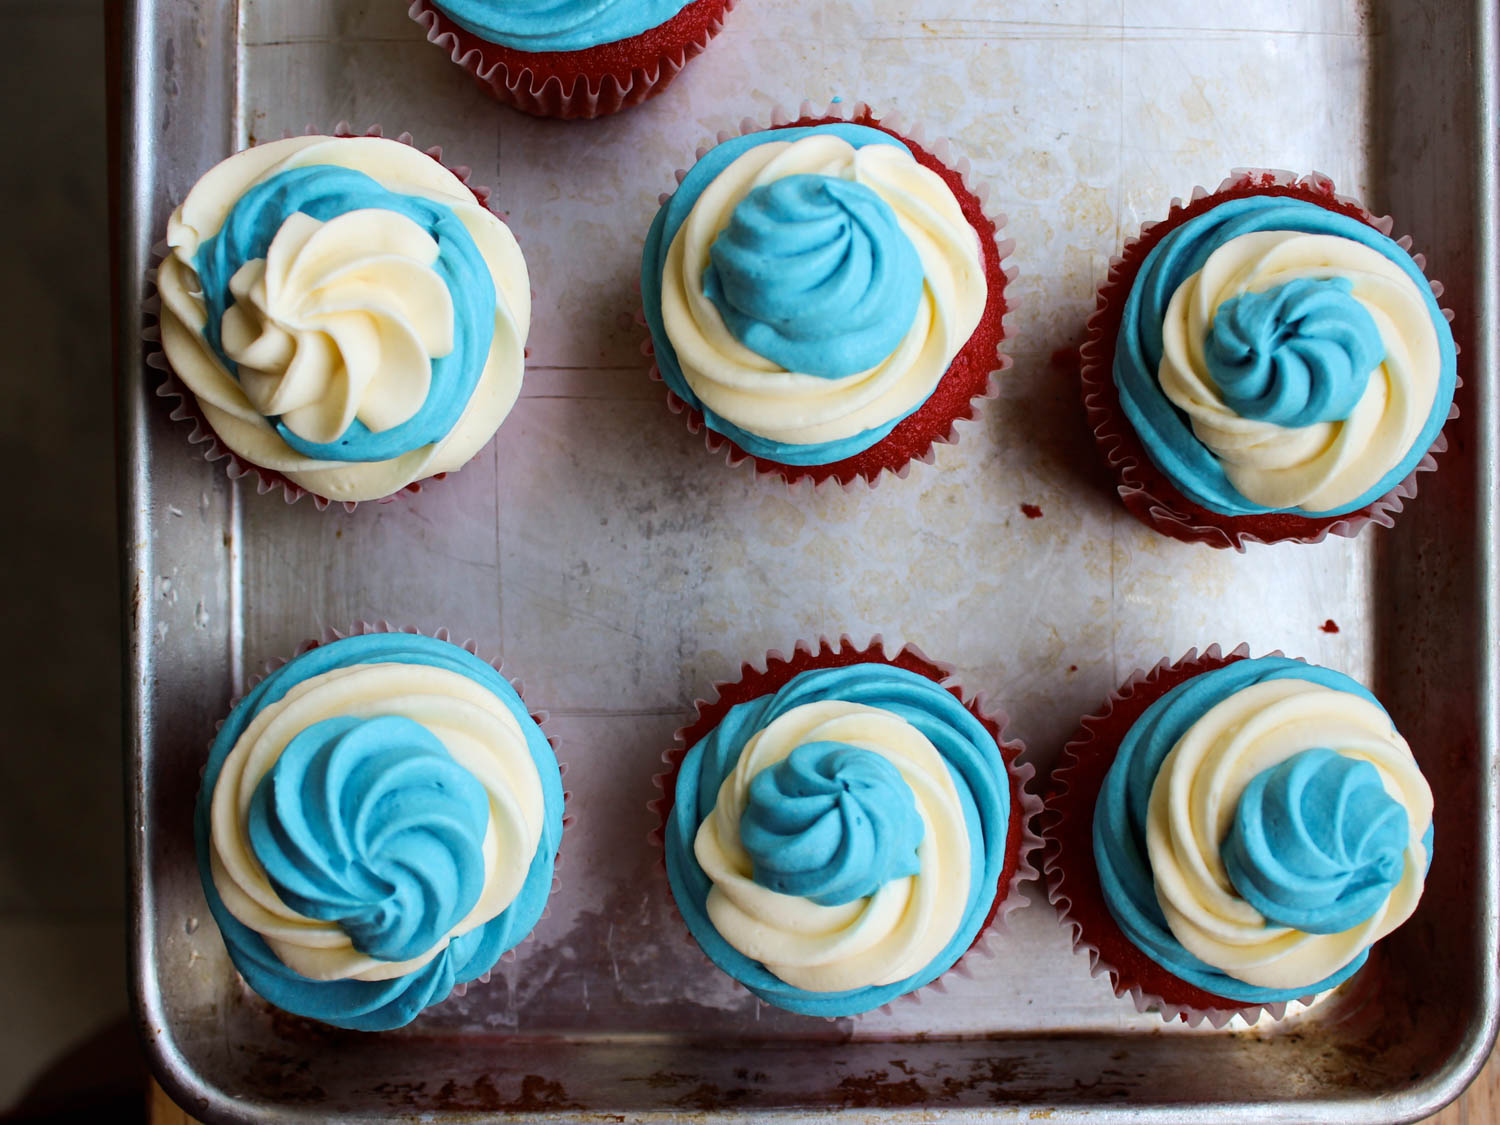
{"x":971,"y":377}
{"x":776,"y":669}
{"x":1144,"y":490}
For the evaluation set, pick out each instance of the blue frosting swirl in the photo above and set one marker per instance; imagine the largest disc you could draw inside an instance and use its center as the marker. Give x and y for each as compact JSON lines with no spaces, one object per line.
{"x":814,"y":273}
{"x":1120,"y":816}
{"x":371,"y":824}
{"x":832,"y":823}
{"x":1317,"y":843}
{"x":1295,"y":354}
{"x":653,"y":261}
{"x":558,"y":25}
{"x":324,"y":192}
{"x":974,"y":763}
{"x":381,"y":1005}
{"x":1165,"y":431}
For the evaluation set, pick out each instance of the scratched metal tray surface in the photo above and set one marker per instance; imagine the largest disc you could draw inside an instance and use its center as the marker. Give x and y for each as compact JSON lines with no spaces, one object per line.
{"x":620,"y":571}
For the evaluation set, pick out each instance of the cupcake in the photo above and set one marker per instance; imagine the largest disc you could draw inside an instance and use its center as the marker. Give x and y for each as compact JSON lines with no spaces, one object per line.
{"x":377,"y":823}
{"x":572,"y":58}
{"x":343,"y":314}
{"x":1266,"y":365}
{"x":840,"y":828}
{"x":824,"y":297}
{"x":1227,"y":835}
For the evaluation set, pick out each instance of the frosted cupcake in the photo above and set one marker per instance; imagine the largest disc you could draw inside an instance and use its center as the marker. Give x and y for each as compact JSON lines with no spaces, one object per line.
{"x":824,"y":297}
{"x":843,"y":838}
{"x":572,"y":58}
{"x":1267,"y":364}
{"x":343,"y":314}
{"x":1230,"y":835}
{"x":378,"y":822}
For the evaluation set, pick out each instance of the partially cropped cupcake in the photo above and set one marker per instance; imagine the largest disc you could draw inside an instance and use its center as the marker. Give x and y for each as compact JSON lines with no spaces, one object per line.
{"x":572,"y":58}
{"x":1228,"y":835}
{"x":841,"y":828}
{"x":343,"y":314}
{"x":1267,"y":364}
{"x":825,"y":297}
{"x":378,"y":823}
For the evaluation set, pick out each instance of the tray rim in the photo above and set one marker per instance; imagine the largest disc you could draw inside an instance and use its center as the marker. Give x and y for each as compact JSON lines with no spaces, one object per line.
{"x":137,"y":172}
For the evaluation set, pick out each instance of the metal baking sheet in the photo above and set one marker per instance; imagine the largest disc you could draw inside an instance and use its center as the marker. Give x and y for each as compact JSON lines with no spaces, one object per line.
{"x":619,"y":570}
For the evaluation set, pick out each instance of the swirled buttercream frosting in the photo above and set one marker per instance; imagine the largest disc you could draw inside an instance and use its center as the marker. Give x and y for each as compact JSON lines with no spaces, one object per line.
{"x":558,"y":25}
{"x":1277,"y":356}
{"x":378,"y":822}
{"x":839,"y":842}
{"x":345,"y":312}
{"x":1262,"y":826}
{"x":806,"y":289}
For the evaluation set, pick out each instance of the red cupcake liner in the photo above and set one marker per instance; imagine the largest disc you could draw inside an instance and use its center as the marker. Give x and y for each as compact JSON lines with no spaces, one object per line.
{"x":185,"y":406}
{"x":362,"y":628}
{"x":1072,"y":877}
{"x":1145,"y":491}
{"x":776,"y":670}
{"x":971,"y":376}
{"x":592,"y":82}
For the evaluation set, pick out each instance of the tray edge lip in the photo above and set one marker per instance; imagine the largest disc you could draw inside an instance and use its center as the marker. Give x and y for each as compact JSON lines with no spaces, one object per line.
{"x":183,"y":1083}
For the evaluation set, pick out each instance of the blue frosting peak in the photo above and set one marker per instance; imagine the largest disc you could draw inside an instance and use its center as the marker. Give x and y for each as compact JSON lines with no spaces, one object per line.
{"x":1317,"y":843}
{"x":371,"y":824}
{"x":1295,"y":354}
{"x":814,"y":273}
{"x":832,"y":823}
{"x":324,"y":192}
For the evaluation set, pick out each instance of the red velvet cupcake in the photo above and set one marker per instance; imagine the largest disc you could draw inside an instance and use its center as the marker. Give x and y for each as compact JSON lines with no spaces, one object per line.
{"x":848,"y":736}
{"x":826,"y":374}
{"x":1227,"y":836}
{"x":563,"y":63}
{"x":1268,"y":365}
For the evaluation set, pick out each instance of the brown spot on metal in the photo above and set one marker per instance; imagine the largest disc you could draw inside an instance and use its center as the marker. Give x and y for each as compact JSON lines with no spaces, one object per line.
{"x":875,"y":1089}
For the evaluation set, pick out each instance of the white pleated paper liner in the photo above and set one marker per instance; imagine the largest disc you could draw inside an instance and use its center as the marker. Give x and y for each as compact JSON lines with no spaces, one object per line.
{"x":363,"y":628}
{"x":185,"y":406}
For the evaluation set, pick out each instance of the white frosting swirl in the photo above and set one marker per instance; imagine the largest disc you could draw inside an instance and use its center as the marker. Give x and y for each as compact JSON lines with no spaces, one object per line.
{"x":1193,"y":803}
{"x":473,"y":725}
{"x":341,"y":320}
{"x":1326,"y":465}
{"x":871,"y":941}
{"x":762,"y":398}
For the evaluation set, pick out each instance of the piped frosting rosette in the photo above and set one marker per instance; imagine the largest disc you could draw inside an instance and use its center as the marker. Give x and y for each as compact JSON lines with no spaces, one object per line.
{"x":1236,"y":834}
{"x":844,"y":838}
{"x":571,"y":58}
{"x":378,"y":822}
{"x":809,"y":288}
{"x":1281,"y":363}
{"x":344,"y":312}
